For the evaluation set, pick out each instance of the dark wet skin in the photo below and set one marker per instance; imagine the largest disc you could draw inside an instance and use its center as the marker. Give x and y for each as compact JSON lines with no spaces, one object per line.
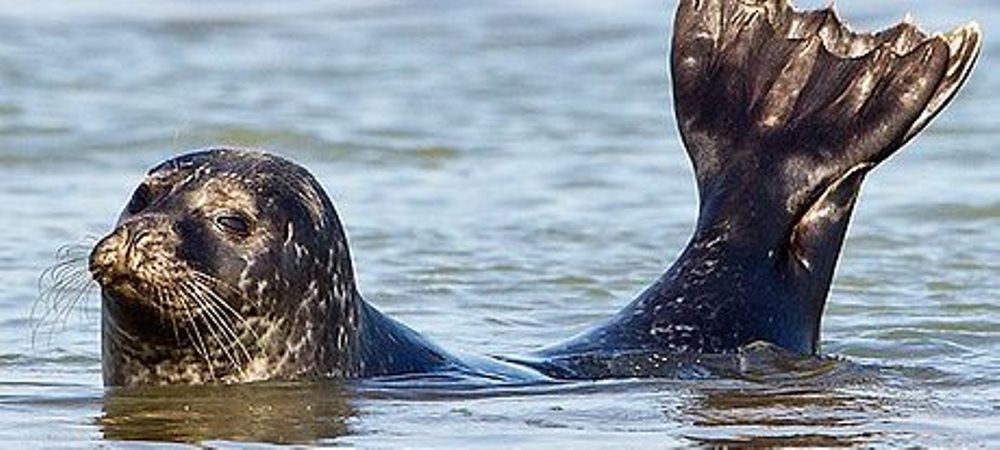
{"x":783,"y":114}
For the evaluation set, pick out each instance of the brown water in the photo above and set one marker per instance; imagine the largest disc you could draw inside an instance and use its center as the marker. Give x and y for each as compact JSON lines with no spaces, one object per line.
{"x":508,"y":173}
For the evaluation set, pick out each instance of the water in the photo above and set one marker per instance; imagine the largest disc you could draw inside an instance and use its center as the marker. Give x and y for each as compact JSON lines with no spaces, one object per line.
{"x":508,"y":173}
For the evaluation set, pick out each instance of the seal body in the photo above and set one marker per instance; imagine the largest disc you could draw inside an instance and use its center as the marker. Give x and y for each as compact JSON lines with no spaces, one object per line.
{"x":230,"y":265}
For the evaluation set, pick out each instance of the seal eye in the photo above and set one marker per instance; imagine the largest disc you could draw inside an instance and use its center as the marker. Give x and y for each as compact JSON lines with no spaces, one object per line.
{"x":234,"y":223}
{"x":139,"y":201}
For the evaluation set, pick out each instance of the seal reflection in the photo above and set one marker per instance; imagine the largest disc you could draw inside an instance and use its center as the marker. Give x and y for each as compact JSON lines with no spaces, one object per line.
{"x":278,"y":413}
{"x":771,"y":415}
{"x":773,"y":398}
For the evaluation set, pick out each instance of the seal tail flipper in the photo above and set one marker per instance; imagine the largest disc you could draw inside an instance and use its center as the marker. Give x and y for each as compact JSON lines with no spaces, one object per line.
{"x":964,"y":45}
{"x":757,"y":73}
{"x":783,"y":113}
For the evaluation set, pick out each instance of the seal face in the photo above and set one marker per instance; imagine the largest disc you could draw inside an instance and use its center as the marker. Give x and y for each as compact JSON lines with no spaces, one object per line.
{"x":230,"y":266}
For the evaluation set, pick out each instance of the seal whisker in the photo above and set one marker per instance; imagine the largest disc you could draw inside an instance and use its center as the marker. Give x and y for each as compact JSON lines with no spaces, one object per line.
{"x":54,"y":282}
{"x":211,"y":323}
{"x":67,"y":267}
{"x":62,"y":287}
{"x":76,"y":296}
{"x":161,"y":300}
{"x":77,"y":289}
{"x":69,"y":259}
{"x":235,"y":346}
{"x":212,"y":312}
{"x":207,"y":281}
{"x":212,"y":299}
{"x":209,"y":319}
{"x":198,"y":342}
{"x":218,"y":283}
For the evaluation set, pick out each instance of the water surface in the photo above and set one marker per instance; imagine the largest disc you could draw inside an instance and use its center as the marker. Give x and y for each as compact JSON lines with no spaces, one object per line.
{"x":508,"y":173}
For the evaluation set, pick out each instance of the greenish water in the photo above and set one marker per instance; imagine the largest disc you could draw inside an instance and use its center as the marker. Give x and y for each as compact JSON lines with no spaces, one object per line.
{"x":508,"y":173}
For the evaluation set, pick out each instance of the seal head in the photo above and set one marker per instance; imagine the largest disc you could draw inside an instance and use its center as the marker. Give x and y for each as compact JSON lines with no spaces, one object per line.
{"x":226,"y":265}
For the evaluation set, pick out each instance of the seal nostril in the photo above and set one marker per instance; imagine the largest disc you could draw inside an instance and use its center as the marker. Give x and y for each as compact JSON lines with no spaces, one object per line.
{"x":94,"y":265}
{"x":132,"y":243}
{"x":102,"y":258}
{"x":136,"y":237}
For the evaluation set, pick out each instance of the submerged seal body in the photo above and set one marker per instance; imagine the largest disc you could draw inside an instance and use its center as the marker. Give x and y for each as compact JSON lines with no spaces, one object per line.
{"x":230,"y":265}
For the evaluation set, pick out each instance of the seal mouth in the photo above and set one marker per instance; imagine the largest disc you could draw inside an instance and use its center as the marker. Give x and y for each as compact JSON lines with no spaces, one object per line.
{"x":130,"y":280}
{"x":123,"y":286}
{"x":130,"y":289}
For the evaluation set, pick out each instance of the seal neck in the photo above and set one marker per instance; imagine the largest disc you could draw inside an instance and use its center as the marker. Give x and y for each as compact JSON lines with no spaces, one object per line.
{"x":387,"y":347}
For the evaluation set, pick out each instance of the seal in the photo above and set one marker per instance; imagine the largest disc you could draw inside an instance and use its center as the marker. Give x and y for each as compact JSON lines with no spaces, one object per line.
{"x":230,"y":265}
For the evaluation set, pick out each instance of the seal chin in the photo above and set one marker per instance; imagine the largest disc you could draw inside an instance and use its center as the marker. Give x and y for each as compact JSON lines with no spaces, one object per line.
{"x":125,"y":288}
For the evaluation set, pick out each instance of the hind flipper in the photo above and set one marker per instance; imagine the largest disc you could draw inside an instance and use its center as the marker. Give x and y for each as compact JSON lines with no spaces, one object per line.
{"x":783,"y":114}
{"x":749,"y":74}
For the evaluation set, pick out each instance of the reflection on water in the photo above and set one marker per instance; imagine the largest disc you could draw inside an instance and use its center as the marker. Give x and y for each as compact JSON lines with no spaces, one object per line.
{"x":269,"y":412}
{"x":762,"y":396}
{"x":784,"y":416}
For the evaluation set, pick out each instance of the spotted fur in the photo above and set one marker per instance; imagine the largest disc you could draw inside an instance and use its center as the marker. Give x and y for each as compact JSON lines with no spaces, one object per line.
{"x":185,"y":301}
